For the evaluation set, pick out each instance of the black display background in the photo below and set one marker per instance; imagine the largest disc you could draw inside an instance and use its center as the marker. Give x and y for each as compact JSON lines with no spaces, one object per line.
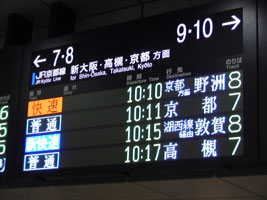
{"x":134,"y":171}
{"x":152,"y":35}
{"x":10,"y":65}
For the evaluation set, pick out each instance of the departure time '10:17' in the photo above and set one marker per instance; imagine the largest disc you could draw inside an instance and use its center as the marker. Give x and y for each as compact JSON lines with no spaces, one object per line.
{"x":185,"y":118}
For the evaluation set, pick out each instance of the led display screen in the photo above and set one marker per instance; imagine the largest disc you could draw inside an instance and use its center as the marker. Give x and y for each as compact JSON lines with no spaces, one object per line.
{"x":4,"y":114}
{"x":10,"y":63}
{"x":173,"y":88}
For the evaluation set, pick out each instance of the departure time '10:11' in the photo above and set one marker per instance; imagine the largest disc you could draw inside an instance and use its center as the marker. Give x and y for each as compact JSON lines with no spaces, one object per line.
{"x":185,"y":118}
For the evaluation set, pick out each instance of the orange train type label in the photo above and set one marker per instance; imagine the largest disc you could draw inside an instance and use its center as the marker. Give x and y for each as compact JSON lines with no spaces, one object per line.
{"x":45,"y":107}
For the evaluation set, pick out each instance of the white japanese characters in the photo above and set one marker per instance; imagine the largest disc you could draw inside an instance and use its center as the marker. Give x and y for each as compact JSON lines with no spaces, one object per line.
{"x":178,"y":86}
{"x":171,"y":110}
{"x":201,"y":84}
{"x":42,"y":143}
{"x":212,"y":83}
{"x":183,"y":112}
{"x":42,"y":161}
{"x":49,"y":127}
{"x":115,"y":65}
{"x":49,"y":161}
{"x":170,"y":151}
{"x":95,"y":68}
{"x":209,"y":126}
{"x":209,"y":104}
{"x":33,"y":161}
{"x":48,"y":76}
{"x":47,"y":124}
{"x":209,"y":148}
{"x":189,"y":128}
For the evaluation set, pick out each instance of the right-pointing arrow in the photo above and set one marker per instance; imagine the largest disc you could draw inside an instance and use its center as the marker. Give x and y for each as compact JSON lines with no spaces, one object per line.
{"x":236,"y":22}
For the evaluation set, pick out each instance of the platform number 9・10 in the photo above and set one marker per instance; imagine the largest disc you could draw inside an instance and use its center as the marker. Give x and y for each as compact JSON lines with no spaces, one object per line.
{"x":202,"y":29}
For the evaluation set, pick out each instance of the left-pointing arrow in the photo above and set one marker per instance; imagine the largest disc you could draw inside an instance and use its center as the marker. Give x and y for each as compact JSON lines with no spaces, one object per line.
{"x":37,"y":61}
{"x":235,"y":23}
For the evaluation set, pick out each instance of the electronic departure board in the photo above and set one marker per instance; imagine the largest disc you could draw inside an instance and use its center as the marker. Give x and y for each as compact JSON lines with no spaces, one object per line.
{"x":10,"y":63}
{"x":174,"y":89}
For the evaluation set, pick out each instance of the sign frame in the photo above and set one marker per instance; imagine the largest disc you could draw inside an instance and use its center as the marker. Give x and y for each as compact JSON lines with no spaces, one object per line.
{"x":137,"y":171}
